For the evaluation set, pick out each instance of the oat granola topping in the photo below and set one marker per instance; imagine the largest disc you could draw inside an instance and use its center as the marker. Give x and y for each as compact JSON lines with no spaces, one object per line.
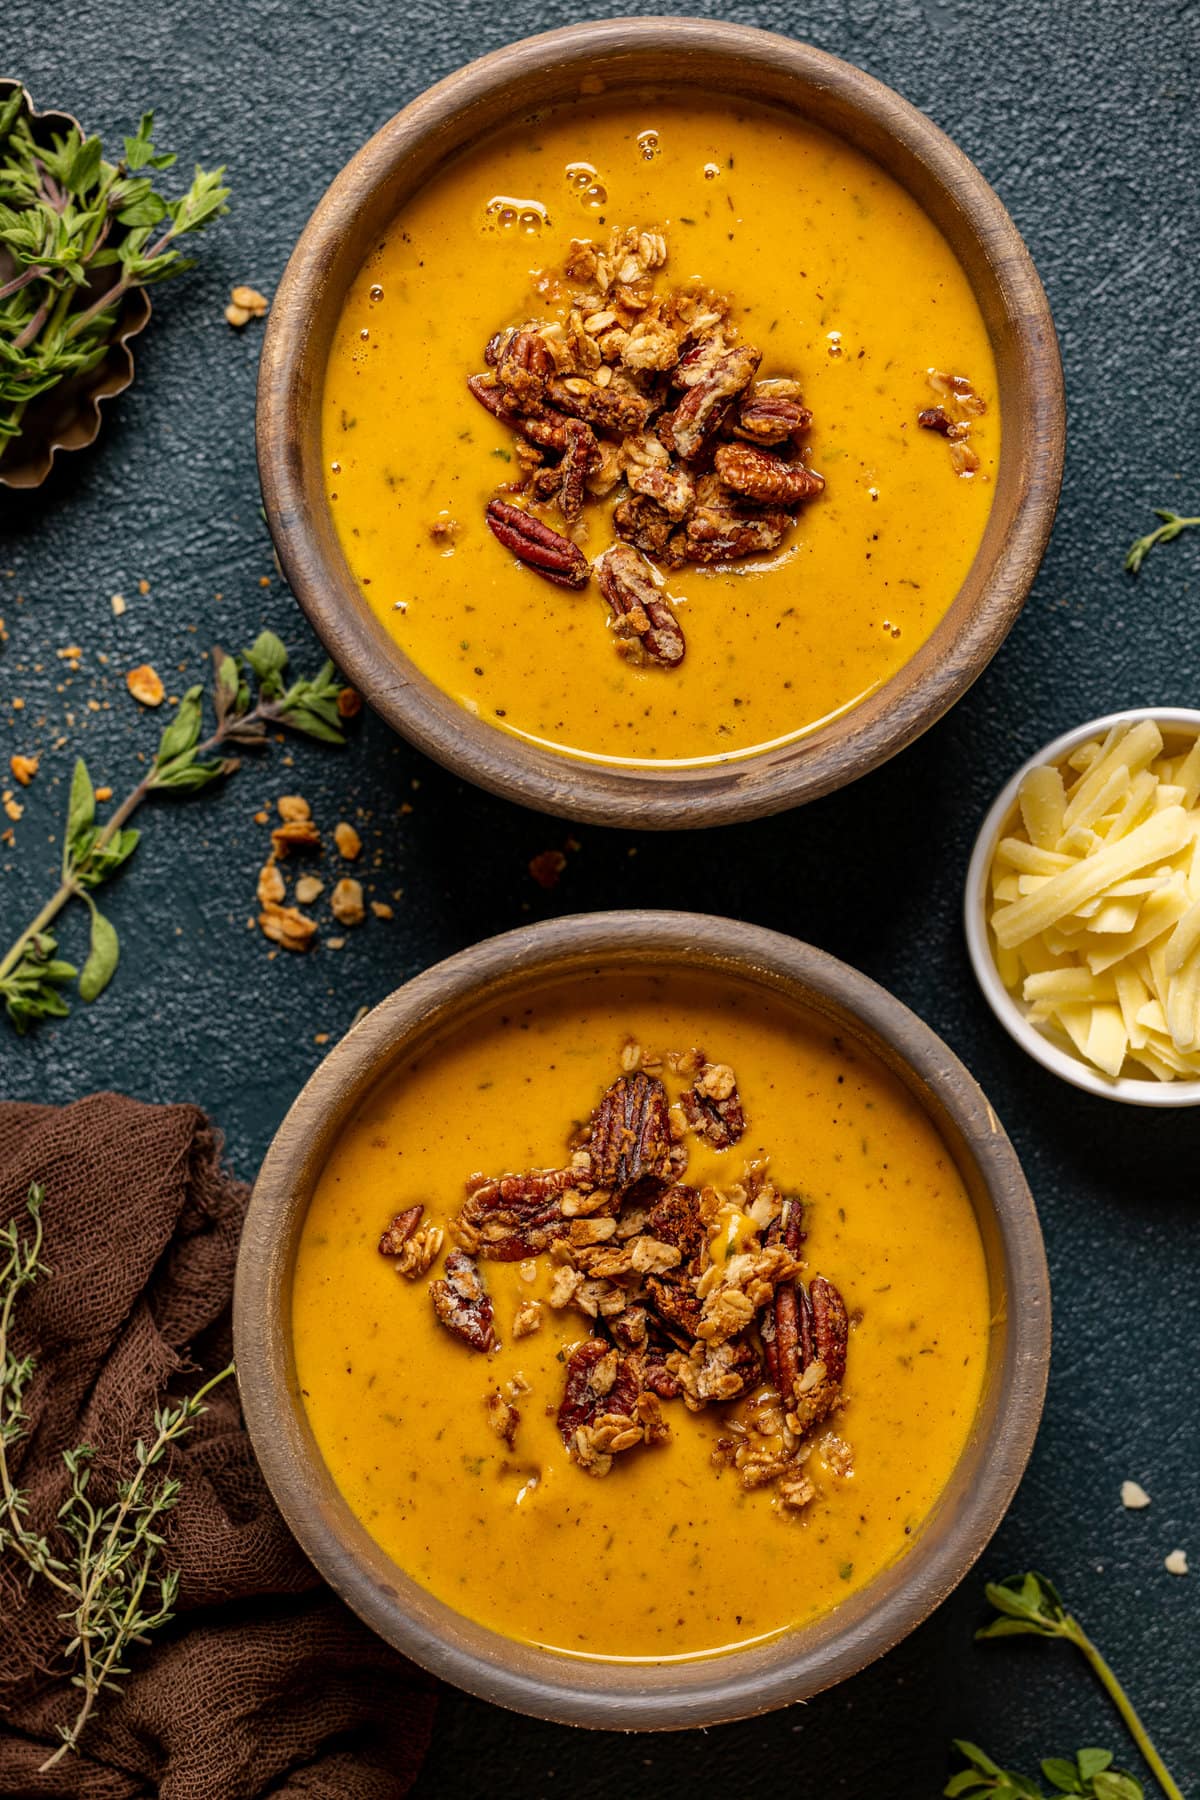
{"x":693,"y":1294}
{"x":637,"y":383}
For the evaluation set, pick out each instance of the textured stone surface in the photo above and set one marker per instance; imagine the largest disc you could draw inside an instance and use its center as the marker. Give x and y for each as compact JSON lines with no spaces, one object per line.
{"x":1085,"y":120}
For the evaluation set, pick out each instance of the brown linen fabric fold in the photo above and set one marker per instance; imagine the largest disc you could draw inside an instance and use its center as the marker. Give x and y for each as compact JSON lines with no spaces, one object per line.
{"x":264,"y":1683}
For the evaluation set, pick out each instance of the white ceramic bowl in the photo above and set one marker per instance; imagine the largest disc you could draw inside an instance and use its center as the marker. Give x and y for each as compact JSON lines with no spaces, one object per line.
{"x":1133,"y":1090}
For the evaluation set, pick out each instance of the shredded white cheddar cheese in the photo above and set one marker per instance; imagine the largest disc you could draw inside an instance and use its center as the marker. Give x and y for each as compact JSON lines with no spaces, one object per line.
{"x":1095,"y":903}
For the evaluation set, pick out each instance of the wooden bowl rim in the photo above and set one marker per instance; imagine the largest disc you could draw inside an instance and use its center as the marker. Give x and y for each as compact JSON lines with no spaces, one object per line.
{"x":591,"y":1691}
{"x":748,"y":787}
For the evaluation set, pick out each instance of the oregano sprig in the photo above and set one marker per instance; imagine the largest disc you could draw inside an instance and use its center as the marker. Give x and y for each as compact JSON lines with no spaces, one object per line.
{"x":102,"y":1556}
{"x":1173,"y":524}
{"x":68,"y":216}
{"x":33,"y":976}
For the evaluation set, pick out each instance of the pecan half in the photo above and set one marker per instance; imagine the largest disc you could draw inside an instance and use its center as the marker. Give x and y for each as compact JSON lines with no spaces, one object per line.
{"x":780,"y":1328}
{"x":461,"y":1302}
{"x":676,"y":1219}
{"x":824,"y":1330}
{"x":493,"y":398}
{"x":510,"y":1217}
{"x":711,"y":375}
{"x":767,"y":480}
{"x":713,"y":1107}
{"x":717,"y":534}
{"x":935,"y":418}
{"x":766,"y":418}
{"x":577,"y":460}
{"x":642,"y":613}
{"x":537,"y":546}
{"x":630,"y":1143}
{"x":400,"y":1230}
{"x":599,"y":1379}
{"x":607,"y":408}
{"x":523,"y":366}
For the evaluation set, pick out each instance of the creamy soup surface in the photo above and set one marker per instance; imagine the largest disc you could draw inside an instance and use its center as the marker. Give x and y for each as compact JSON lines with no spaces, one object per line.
{"x":667,"y":1555}
{"x":833,"y":272}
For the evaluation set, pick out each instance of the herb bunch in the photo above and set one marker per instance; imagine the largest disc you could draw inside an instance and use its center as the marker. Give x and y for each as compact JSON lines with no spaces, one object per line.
{"x":1172,"y":524}
{"x":32,"y":974}
{"x":80,"y":233}
{"x":102,"y":1556}
{"x":1030,"y":1605}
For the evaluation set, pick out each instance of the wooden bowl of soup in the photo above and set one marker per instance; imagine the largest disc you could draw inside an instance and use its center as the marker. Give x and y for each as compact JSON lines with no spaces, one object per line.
{"x":642,"y":1320}
{"x":710,"y":298}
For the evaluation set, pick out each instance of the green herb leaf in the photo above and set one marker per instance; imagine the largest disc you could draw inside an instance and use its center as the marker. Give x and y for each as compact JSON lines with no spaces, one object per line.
{"x":268,"y":658}
{"x":1091,"y":1763}
{"x":1173,"y":524}
{"x":81,"y":809}
{"x":103,"y":956}
{"x":1062,"y":1774}
{"x":183,"y":733}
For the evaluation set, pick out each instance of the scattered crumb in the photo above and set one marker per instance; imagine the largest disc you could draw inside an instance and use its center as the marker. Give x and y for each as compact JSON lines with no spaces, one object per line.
{"x":547,"y":867}
{"x":104,"y":793}
{"x":320,"y":1037}
{"x":286,"y":926}
{"x":1176,"y":1563}
{"x":308,"y":889}
{"x":12,"y":807}
{"x":72,"y":654}
{"x":291,"y":806}
{"x":295,"y":834}
{"x":245,"y":303}
{"x":347,"y":840}
{"x":24,"y":768}
{"x":260,"y":818}
{"x":346,"y":902}
{"x":335,"y":943}
{"x":382,"y":910}
{"x":145,"y":684}
{"x":18,"y":705}
{"x":271,"y":889}
{"x":1133,"y":1495}
{"x":349,"y":703}
{"x":118,"y":605}
{"x":143,"y":587}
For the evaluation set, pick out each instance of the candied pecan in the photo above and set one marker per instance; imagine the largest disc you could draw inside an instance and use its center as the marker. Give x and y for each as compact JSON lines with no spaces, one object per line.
{"x":713,"y":1107}
{"x":515,"y":1216}
{"x":823,"y":1333}
{"x":643,"y":523}
{"x":502,"y":1417}
{"x":599,"y":1379}
{"x":770,"y":418}
{"x":935,"y":418}
{"x":649,"y":471}
{"x":642,"y":613}
{"x":711,"y":375}
{"x":577,"y":460}
{"x":630,"y":1144}
{"x":492,"y":396}
{"x":605,"y":471}
{"x":400,"y":1230}
{"x":547,"y":430}
{"x":608,"y":408}
{"x":546,"y":483}
{"x":524,"y":363}
{"x":537,"y":546}
{"x":734,"y":1290}
{"x":676,"y":1220}
{"x":716,"y":534}
{"x":461,"y":1302}
{"x":765,"y":479}
{"x":780,"y":1330}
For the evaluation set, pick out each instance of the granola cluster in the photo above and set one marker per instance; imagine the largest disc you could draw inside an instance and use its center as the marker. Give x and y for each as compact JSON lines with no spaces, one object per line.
{"x":692,"y":1295}
{"x":956,"y":409}
{"x":643,"y":396}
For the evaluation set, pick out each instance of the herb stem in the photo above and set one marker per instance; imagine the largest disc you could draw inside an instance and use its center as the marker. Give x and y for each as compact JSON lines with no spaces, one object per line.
{"x":1100,"y":1667}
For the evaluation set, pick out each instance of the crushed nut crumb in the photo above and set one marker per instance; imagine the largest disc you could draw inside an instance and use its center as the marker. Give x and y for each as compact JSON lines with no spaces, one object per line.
{"x":346,"y":902}
{"x":145,"y":684}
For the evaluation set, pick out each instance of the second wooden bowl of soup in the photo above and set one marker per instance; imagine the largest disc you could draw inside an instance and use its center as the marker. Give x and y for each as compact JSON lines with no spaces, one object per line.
{"x":642,"y":1320}
{"x":661,"y":422}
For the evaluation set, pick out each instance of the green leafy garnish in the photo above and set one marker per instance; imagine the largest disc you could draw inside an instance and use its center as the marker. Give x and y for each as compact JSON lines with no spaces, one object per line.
{"x":102,"y":1557}
{"x":1173,"y":524}
{"x":1089,"y":1773}
{"x":80,"y":233}
{"x":32,"y":977}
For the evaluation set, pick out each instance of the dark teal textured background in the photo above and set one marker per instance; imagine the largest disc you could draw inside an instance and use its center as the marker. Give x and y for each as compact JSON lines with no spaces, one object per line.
{"x":1085,"y":119}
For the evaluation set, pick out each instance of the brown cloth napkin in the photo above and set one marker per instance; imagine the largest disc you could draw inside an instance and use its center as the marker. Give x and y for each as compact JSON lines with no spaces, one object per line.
{"x":264,"y":1683}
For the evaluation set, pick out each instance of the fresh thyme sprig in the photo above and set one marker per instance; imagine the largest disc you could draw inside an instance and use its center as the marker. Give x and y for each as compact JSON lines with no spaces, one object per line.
{"x":1089,"y":1772}
{"x":32,"y":975}
{"x":66,"y":216}
{"x":1030,"y":1605}
{"x":1173,"y":524}
{"x":102,"y":1557}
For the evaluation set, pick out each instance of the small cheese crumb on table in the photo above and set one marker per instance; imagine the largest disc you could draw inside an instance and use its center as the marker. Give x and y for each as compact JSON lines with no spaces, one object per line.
{"x":1133,"y":1495}
{"x":1176,"y":1563}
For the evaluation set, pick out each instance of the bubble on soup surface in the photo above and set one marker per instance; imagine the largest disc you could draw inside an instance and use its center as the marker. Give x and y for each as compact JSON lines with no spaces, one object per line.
{"x":507,"y":214}
{"x":648,"y":144}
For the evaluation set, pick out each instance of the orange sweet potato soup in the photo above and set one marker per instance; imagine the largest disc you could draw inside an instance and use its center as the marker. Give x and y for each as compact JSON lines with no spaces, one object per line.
{"x":737,"y":326}
{"x":644,"y":1319}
